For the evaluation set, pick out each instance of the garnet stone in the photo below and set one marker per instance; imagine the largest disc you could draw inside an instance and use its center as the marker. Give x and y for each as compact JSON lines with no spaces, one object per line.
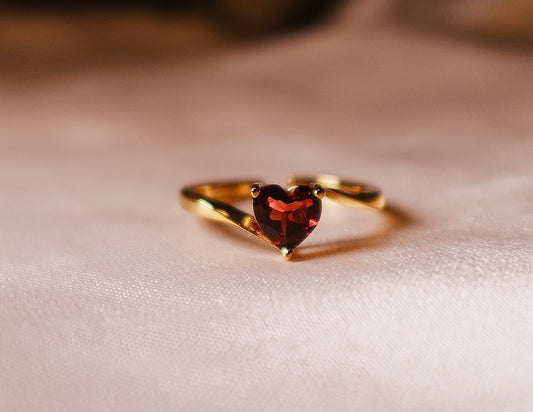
{"x":287,"y":217}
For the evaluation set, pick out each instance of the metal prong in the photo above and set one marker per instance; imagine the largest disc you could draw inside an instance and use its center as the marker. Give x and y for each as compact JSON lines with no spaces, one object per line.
{"x":318,"y":191}
{"x":255,"y":189}
{"x":286,"y":253}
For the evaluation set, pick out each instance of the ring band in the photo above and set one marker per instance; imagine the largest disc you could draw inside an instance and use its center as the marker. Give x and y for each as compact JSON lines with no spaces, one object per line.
{"x":283,"y":218}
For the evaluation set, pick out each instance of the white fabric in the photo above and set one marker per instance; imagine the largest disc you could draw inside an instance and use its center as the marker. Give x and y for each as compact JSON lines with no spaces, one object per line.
{"x":114,"y":298}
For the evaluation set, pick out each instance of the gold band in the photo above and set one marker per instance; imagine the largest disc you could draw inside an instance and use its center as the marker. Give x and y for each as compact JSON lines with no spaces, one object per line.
{"x":209,"y":200}
{"x":351,"y":194}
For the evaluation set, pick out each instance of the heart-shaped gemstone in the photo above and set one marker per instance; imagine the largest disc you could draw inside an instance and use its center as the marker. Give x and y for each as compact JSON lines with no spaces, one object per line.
{"x":287,"y":217}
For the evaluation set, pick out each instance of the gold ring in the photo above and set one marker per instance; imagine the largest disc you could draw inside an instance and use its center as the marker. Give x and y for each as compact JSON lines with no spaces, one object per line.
{"x":283,"y":217}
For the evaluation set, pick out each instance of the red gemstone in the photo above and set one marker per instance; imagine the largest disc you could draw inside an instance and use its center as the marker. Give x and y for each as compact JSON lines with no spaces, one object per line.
{"x":287,"y":217}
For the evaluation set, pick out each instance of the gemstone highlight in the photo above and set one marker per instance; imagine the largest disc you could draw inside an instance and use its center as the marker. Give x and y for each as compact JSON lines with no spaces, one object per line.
{"x":287,"y":217}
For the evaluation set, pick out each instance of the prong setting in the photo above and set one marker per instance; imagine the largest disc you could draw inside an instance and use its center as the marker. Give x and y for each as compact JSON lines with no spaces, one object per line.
{"x":286,"y":253}
{"x":255,"y":189}
{"x":318,"y":191}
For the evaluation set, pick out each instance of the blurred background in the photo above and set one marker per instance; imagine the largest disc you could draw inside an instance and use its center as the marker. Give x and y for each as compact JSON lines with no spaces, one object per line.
{"x":56,"y":35}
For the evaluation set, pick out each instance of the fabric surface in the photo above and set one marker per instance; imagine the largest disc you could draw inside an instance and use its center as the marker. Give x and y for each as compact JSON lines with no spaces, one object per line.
{"x":113,"y":298}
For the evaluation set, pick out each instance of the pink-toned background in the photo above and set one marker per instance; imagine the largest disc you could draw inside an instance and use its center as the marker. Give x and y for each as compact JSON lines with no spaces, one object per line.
{"x":112,"y":298}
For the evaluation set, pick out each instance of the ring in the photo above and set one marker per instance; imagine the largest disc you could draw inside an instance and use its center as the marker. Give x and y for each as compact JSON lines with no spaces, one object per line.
{"x":282,"y":217}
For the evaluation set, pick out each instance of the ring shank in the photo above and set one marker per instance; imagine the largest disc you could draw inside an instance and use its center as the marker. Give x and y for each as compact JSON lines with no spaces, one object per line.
{"x":208,"y":201}
{"x":351,"y":194}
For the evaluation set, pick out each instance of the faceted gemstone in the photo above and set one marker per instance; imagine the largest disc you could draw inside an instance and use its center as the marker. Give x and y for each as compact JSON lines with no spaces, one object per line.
{"x":287,"y":217}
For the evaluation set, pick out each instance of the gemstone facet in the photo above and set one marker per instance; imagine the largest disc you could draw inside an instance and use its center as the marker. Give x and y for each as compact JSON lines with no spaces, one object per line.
{"x":287,"y":217}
